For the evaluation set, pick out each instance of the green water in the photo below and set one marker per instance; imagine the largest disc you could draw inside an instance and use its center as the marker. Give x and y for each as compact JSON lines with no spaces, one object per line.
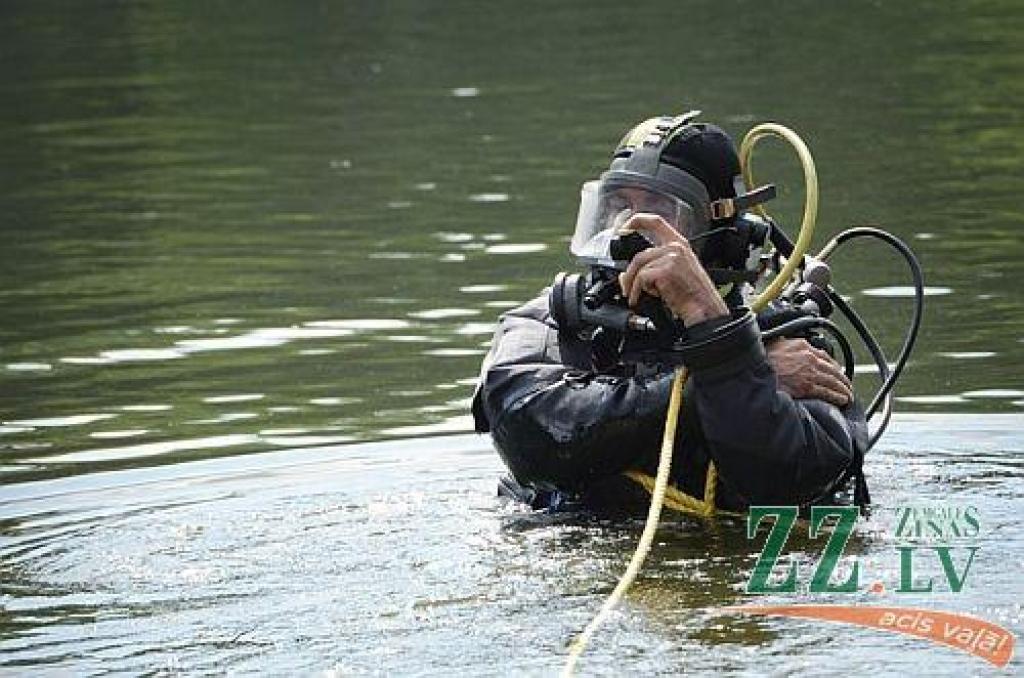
{"x":325,"y":207}
{"x":229,"y":228}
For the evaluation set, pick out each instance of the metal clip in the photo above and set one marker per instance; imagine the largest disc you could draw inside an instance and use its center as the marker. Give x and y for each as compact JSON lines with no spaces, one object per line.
{"x":723,"y":209}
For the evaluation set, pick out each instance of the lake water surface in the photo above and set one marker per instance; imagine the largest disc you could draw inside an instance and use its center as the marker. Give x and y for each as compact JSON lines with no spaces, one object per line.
{"x":251,"y":260}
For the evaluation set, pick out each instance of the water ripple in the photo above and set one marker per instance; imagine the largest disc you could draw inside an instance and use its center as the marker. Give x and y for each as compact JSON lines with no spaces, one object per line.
{"x":904,"y":291}
{"x":71,"y":420}
{"x":148,"y":449}
{"x":29,"y":367}
{"x":489,"y":197}
{"x":520,"y":248}
{"x":443,"y":313}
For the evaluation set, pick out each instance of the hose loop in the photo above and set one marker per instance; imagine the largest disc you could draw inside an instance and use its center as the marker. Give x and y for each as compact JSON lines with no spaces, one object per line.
{"x":810,"y":216}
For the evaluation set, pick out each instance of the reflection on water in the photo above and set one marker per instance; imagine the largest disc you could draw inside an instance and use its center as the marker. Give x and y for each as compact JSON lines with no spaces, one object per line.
{"x":395,"y":558}
{"x":904,"y":291}
{"x":224,"y":233}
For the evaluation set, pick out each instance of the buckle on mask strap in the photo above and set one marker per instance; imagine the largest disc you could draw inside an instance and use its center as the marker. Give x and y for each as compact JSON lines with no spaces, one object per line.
{"x":729,"y":207}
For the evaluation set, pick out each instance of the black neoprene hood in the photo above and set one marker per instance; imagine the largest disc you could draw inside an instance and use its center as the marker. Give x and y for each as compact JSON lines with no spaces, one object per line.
{"x":699,"y":165}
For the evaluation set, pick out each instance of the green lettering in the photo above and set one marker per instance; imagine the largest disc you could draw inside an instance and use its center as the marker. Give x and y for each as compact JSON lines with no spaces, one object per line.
{"x":971,"y":518}
{"x":907,"y":572}
{"x":903,"y":523}
{"x":956,"y":583}
{"x":834,"y":548}
{"x":785,"y":517}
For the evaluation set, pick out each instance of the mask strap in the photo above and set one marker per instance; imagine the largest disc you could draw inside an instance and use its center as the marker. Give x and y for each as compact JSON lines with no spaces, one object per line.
{"x":646,"y":155}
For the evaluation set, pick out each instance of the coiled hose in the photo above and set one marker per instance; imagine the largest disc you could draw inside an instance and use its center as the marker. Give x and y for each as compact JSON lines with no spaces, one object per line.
{"x":883,"y":397}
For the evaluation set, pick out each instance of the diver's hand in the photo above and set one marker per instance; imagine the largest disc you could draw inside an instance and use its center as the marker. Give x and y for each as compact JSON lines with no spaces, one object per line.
{"x":670,"y":271}
{"x":808,"y":372}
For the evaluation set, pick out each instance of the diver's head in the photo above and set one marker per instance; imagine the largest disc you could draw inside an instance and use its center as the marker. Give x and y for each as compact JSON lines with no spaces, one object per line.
{"x":695,"y":162}
{"x":684,"y":171}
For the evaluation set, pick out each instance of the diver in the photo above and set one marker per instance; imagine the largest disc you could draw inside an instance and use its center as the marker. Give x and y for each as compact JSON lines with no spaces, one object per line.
{"x":572,"y":406}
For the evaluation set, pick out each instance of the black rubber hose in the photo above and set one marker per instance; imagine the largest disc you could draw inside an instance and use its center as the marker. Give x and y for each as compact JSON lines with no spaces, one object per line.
{"x":877,"y":354}
{"x":812,"y":322}
{"x":915,"y":323}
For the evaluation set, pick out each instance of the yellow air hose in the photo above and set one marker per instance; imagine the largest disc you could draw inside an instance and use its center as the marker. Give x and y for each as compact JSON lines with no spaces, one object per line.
{"x":661,"y":492}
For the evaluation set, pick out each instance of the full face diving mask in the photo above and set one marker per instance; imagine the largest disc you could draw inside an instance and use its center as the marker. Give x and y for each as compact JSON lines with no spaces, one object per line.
{"x":606,"y":206}
{"x":638,"y":181}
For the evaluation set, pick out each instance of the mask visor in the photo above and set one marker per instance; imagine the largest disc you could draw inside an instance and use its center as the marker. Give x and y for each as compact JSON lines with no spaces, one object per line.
{"x":606,"y":207}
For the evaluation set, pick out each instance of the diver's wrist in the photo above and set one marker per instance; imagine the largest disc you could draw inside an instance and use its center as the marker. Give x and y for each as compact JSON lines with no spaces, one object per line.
{"x":702,"y":309}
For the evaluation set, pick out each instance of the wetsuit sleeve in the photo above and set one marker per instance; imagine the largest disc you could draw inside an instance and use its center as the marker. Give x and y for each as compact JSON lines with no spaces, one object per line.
{"x":554,"y":421}
{"x":769,"y":447}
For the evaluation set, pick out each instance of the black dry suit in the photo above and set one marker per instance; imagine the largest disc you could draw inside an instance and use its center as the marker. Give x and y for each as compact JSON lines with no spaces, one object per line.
{"x":567,"y":432}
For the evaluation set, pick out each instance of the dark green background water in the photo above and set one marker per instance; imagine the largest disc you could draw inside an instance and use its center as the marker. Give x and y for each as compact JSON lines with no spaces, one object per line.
{"x":323,"y":206}
{"x":234,"y":227}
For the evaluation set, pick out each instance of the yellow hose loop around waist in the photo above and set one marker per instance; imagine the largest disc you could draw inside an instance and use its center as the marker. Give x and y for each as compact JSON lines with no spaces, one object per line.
{"x":676,"y":499}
